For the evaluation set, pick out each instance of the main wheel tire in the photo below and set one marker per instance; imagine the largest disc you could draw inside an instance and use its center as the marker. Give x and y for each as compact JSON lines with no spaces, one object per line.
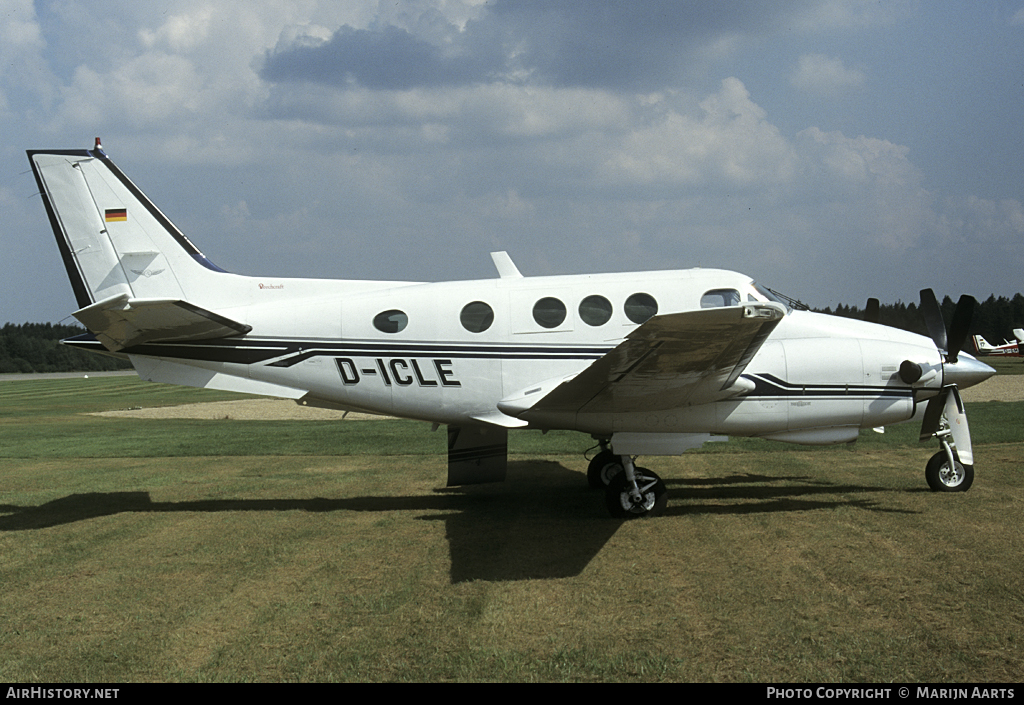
{"x":603,"y":468}
{"x":653,"y":501}
{"x":941,"y":478}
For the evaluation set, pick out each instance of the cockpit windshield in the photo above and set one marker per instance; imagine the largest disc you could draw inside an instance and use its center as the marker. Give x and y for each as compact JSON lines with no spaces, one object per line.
{"x":761,"y":293}
{"x":750,"y":293}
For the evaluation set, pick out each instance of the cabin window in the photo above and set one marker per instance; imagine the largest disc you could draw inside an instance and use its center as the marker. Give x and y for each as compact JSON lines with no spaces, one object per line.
{"x":640,"y":307}
{"x":717,"y":298}
{"x":476,"y":317}
{"x":549,"y":312}
{"x":392,"y":321}
{"x":595,"y":310}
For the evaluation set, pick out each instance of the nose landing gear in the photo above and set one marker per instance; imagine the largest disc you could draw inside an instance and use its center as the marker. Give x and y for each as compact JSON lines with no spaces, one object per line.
{"x":944,"y":471}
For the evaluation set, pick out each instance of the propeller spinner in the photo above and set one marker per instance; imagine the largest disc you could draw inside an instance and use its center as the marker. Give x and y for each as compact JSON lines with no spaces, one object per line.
{"x":955,"y":372}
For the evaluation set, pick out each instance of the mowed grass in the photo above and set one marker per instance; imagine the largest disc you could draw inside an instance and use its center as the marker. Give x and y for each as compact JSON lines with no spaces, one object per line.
{"x":145,"y":550}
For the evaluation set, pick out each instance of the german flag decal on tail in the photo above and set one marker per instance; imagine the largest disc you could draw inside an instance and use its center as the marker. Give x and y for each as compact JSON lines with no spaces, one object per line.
{"x":115,"y":215}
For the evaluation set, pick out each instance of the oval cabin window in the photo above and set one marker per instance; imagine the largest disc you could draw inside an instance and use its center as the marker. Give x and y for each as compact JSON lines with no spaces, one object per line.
{"x":595,"y":310}
{"x":392,"y":321}
{"x":640,"y":307}
{"x":476,"y":317}
{"x":549,"y":312}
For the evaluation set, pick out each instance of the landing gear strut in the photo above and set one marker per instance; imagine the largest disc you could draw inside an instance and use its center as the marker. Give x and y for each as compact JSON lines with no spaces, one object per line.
{"x":635,"y":492}
{"x":630,"y":491}
{"x":945,"y":472}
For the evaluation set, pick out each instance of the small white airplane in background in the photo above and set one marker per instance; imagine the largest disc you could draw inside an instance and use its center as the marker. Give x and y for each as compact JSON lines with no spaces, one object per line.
{"x":651,"y":363}
{"x":1007,"y":349}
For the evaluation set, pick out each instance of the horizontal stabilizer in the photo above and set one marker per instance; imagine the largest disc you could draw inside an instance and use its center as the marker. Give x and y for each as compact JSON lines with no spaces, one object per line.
{"x":122,"y":322}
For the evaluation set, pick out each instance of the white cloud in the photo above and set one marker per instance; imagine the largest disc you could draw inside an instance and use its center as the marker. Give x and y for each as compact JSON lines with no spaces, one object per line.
{"x":728,"y":143}
{"x":19,"y":31}
{"x":465,"y":115}
{"x":152,"y":90}
{"x":872,"y":185}
{"x":22,"y":67}
{"x":825,"y":75}
{"x":180,"y":32}
{"x":861,"y":160}
{"x":983,"y":222}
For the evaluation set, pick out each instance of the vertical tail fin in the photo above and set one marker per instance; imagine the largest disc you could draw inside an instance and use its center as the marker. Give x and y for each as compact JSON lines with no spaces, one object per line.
{"x":136,"y":277}
{"x":112,"y":238}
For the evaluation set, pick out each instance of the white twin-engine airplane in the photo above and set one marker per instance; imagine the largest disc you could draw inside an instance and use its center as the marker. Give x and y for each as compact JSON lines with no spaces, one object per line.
{"x":650,"y":363}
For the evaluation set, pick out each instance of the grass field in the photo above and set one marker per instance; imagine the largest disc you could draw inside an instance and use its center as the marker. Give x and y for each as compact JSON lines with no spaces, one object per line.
{"x":178,"y":550}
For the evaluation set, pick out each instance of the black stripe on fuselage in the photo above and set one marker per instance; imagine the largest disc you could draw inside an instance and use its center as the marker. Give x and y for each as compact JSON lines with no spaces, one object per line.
{"x":477,"y":352}
{"x":285,"y":353}
{"x":771,"y":387}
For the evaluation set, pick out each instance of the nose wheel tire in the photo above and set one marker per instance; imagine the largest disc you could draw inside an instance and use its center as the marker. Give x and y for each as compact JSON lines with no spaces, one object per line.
{"x":623,"y":505}
{"x":942,"y":478}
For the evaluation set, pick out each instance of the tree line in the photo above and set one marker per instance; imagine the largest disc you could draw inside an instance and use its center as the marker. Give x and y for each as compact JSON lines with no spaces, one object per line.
{"x":35,"y":347}
{"x":994,"y":318}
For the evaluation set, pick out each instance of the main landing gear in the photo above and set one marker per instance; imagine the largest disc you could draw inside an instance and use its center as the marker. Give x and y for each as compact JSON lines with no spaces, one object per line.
{"x":630,"y":491}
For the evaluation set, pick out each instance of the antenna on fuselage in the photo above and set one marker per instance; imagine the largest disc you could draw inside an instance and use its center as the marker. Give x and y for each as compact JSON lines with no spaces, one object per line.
{"x":507,"y":269}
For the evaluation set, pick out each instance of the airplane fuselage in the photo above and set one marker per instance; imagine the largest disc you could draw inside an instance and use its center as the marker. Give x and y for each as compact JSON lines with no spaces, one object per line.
{"x":423,"y":351}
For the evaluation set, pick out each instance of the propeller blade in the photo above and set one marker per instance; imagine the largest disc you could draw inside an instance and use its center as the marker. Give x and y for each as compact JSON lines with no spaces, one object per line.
{"x":933,"y":319}
{"x":959,"y":327}
{"x":933,"y":414}
{"x":871,"y":311}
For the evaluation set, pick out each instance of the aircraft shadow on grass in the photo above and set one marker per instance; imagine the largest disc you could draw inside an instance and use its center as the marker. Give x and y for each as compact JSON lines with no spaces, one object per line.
{"x":542,"y":523}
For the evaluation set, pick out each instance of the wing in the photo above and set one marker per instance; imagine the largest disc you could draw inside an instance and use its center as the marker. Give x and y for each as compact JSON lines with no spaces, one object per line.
{"x":679,"y":359}
{"x":121,"y":322}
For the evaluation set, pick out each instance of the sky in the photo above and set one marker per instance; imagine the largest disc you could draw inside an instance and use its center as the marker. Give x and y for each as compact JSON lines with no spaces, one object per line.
{"x":833,"y":150}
